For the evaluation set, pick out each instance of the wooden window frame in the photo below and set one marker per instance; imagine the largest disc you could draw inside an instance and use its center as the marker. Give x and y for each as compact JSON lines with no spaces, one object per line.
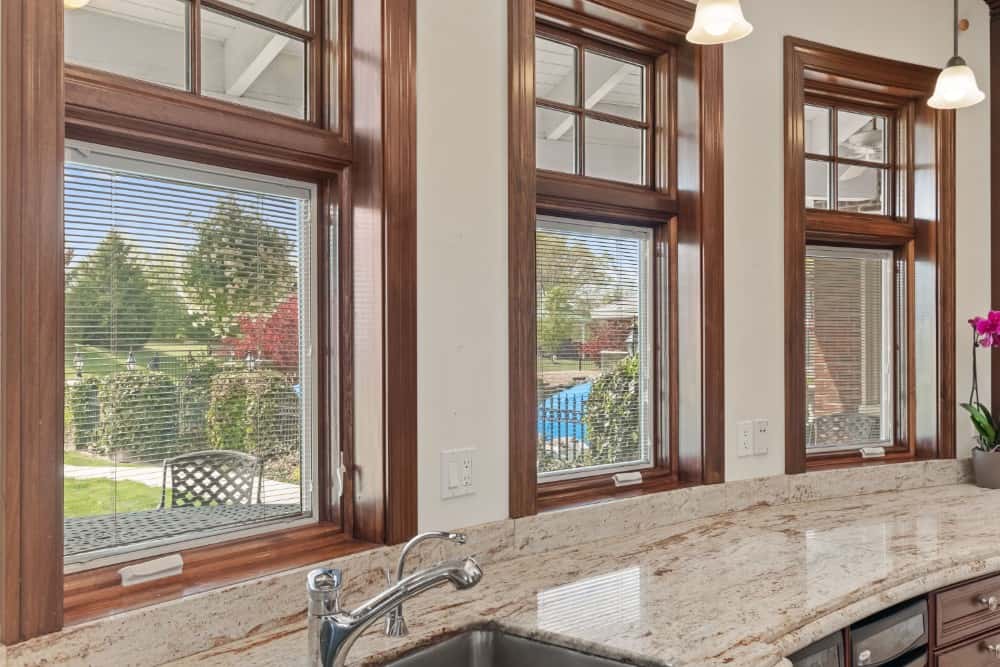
{"x":367,"y":166}
{"x":994,"y":89}
{"x":921,"y":232}
{"x":683,"y":206}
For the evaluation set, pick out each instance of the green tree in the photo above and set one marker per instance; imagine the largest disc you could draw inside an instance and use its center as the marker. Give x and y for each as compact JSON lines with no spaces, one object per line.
{"x":240,"y":266}
{"x":173,"y":319}
{"x":571,"y":281}
{"x":108,"y":303}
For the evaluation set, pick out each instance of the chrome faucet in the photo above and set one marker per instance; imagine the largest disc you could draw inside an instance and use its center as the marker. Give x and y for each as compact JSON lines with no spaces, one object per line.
{"x":395,"y":623}
{"x":332,"y":632}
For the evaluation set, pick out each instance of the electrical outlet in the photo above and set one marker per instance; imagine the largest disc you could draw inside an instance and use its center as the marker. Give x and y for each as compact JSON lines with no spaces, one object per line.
{"x":457,"y":473}
{"x":745,"y":429}
{"x":761,"y":436}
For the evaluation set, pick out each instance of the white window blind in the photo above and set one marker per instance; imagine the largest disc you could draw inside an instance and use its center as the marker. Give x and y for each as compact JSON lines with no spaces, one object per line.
{"x":188,"y":362}
{"x":594,"y":343}
{"x":850,"y":383}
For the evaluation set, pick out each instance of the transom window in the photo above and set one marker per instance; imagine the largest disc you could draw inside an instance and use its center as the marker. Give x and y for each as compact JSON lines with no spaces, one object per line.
{"x":848,"y":165}
{"x":592,"y":114}
{"x":264,"y":54}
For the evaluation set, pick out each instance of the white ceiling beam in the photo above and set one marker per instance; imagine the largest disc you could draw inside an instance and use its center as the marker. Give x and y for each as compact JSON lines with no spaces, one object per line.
{"x":249,"y":61}
{"x":602,"y":91}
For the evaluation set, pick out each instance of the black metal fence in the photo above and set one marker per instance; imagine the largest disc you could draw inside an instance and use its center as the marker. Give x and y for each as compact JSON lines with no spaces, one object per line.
{"x":561,"y":429}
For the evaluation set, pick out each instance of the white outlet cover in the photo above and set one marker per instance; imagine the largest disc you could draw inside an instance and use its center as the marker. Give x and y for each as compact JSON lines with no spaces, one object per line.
{"x":761,"y":436}
{"x":457,"y":473}
{"x":745,"y":433}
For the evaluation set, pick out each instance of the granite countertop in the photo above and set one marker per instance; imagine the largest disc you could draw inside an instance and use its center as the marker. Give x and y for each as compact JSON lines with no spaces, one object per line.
{"x":737,"y":588}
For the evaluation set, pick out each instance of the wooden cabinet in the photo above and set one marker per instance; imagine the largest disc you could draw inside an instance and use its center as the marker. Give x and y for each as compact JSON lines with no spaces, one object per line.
{"x":980,"y":652}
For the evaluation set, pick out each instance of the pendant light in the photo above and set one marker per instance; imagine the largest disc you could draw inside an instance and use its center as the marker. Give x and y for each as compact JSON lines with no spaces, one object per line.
{"x":718,"y":22}
{"x":75,"y":4}
{"x":956,"y":85}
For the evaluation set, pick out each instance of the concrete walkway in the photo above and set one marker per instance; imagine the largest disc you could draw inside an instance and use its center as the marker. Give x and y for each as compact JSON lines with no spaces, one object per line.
{"x":273,"y":492}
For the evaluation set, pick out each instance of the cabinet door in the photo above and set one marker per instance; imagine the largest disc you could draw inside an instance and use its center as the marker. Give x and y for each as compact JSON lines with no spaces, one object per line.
{"x":827,"y":652}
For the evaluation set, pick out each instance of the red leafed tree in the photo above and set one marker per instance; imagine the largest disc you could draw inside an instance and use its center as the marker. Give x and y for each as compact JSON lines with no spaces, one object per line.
{"x":273,"y":338}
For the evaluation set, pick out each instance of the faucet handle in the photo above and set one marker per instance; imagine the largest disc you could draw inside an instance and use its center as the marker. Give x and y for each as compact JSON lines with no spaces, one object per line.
{"x":324,"y":591}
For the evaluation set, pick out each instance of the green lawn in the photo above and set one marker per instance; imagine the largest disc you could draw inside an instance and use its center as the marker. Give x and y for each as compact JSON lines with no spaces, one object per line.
{"x":72,"y":458}
{"x":92,"y":497}
{"x":98,"y":361}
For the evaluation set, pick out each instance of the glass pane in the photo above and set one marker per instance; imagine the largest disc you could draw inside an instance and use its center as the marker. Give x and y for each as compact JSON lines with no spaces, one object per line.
{"x":861,"y":189}
{"x":615,"y":152}
{"x":146,"y":41}
{"x":555,"y":141}
{"x":848,"y":323}
{"x":252,"y":66}
{"x":555,"y":71}
{"x":185,"y":345}
{"x":861,"y":136}
{"x":817,"y":130}
{"x":594,"y":345}
{"x":292,"y":12}
{"x":818,"y":185}
{"x":614,"y":86}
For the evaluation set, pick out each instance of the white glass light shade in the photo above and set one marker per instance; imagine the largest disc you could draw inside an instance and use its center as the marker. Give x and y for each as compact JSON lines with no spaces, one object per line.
{"x":75,"y":4}
{"x":718,"y":22}
{"x":956,"y":87}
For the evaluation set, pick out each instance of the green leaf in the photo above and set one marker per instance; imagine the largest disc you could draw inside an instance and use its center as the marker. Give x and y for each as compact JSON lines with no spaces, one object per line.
{"x":982,"y":421}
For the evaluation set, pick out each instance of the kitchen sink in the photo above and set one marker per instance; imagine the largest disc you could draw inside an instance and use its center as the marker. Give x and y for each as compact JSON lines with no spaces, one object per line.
{"x":493,"y":648}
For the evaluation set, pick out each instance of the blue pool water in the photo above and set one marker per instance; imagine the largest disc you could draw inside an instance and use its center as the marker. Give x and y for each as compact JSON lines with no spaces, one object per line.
{"x":561,"y":414}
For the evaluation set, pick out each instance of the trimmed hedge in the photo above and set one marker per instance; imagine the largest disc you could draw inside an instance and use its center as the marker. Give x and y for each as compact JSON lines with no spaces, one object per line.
{"x":611,"y":414}
{"x":138,"y":414}
{"x":83,"y":410}
{"x":256,"y":412}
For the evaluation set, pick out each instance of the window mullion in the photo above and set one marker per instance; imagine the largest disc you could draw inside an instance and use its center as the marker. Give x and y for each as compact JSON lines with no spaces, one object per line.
{"x":194,"y":46}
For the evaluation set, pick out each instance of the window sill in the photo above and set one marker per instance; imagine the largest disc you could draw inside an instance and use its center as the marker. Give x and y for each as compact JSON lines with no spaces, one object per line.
{"x":564,"y":494}
{"x":98,"y":592}
{"x":854,"y":460}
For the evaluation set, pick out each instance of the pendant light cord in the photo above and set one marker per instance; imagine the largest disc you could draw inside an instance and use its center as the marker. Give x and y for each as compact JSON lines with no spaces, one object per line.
{"x":954,"y":28}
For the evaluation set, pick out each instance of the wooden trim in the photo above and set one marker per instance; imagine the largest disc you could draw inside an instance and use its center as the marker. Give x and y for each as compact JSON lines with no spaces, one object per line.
{"x":400,"y":147}
{"x":96,"y":593}
{"x":994,"y":90}
{"x":521,"y":183}
{"x":31,"y":296}
{"x":640,"y":21}
{"x":384,"y":255}
{"x":923,"y":231}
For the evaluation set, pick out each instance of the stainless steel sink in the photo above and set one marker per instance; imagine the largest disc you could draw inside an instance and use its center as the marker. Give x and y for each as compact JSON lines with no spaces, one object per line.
{"x":492,"y":648}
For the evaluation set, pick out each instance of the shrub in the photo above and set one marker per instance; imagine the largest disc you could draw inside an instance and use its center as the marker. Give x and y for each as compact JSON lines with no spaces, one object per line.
{"x":275,"y":337}
{"x":256,"y":412}
{"x":194,"y":401}
{"x":83,"y":411}
{"x":138,"y":414}
{"x":610,"y":415}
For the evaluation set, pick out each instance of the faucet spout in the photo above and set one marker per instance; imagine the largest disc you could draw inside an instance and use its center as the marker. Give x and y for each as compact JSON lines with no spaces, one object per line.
{"x":338,"y":631}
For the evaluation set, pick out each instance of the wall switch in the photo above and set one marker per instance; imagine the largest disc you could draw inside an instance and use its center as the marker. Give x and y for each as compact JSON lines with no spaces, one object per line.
{"x":745,"y":429}
{"x":761,"y":436}
{"x":457,"y":473}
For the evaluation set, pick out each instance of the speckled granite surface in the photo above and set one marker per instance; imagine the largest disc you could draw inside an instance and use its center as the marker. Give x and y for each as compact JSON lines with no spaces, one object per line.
{"x":738,"y":574}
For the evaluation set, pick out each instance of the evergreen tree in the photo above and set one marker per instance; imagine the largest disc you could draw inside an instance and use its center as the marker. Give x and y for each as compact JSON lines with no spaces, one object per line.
{"x":109,"y":303}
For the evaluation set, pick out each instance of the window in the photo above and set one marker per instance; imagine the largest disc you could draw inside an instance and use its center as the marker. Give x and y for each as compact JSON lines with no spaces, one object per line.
{"x":189,"y":387}
{"x":850,"y":334}
{"x":592,"y":116}
{"x":258,"y":54}
{"x":595,"y":330}
{"x":847,"y":160}
{"x":606,"y":261}
{"x":868,"y":259}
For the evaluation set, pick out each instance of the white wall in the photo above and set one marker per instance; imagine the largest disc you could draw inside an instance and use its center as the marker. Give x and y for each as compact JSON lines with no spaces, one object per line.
{"x":462,"y":197}
{"x":462,"y":252}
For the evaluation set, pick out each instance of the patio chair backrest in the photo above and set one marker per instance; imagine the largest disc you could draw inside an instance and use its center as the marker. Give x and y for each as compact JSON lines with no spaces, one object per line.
{"x":845,"y":428}
{"x":216,"y":477}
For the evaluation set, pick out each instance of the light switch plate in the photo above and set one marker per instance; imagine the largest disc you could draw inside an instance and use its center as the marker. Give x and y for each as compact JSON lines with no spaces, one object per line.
{"x":745,"y":435}
{"x":761,"y":436}
{"x":457,"y":473}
